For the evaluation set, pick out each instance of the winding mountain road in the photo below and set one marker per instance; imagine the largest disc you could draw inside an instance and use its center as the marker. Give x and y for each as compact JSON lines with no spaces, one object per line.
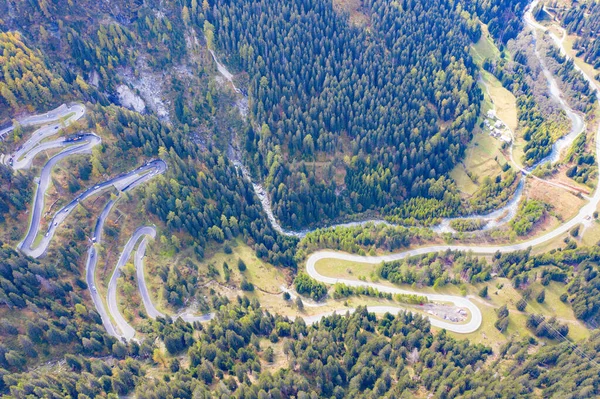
{"x":471,"y":326}
{"x":77,"y":144}
{"x":186,"y":314}
{"x":90,"y":271}
{"x":38,"y":203}
{"x":125,"y":182}
{"x":92,"y":258}
{"x":584,"y":214}
{"x":127,"y":331}
{"x":130,"y":180}
{"x":138,"y":262}
{"x":78,"y":110}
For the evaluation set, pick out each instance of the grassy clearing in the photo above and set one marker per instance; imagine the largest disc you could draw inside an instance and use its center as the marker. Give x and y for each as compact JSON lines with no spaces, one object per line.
{"x":564,"y":204}
{"x":263,"y":275}
{"x":591,"y":235}
{"x":548,"y":246}
{"x":483,"y":156}
{"x":340,"y":306}
{"x":67,"y":116}
{"x":344,"y":269}
{"x":496,"y":97}
{"x":280,"y":359}
{"x":266,"y":278}
{"x":504,"y":101}
{"x":489,"y":335}
{"x":354,"y":9}
{"x":552,"y":305}
{"x":481,"y":160}
{"x":485,"y":47}
{"x":38,"y":239}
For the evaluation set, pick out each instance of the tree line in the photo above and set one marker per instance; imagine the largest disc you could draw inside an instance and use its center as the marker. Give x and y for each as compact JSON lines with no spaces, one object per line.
{"x":329,"y":89}
{"x":583,"y":19}
{"x":356,"y":355}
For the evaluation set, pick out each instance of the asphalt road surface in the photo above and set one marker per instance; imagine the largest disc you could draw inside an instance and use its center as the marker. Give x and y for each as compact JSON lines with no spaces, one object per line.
{"x":471,"y":326}
{"x":584,"y":215}
{"x":38,"y":202}
{"x":90,"y":272}
{"x":127,"y":331}
{"x":24,"y":160}
{"x":138,"y":262}
{"x":92,"y":261}
{"x":151,"y":311}
{"x":48,"y":117}
{"x":82,"y":143}
{"x":134,"y":178}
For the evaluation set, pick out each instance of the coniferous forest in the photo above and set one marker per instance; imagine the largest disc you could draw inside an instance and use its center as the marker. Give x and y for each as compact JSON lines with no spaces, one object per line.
{"x":350,"y":110}
{"x":390,"y":110}
{"x":584,"y":20}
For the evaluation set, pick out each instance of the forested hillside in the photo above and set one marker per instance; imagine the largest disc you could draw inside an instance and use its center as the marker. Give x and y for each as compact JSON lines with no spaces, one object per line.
{"x":90,"y":60}
{"x":248,"y":353}
{"x":202,"y":193}
{"x":25,"y":79}
{"x":503,"y":17}
{"x":583,"y":19}
{"x":344,"y":120}
{"x":389,"y":109}
{"x":63,"y":322}
{"x":361,"y":121}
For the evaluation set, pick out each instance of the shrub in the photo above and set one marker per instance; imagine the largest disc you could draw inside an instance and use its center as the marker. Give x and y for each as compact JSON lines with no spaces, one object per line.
{"x":484,"y":292}
{"x":541,"y":297}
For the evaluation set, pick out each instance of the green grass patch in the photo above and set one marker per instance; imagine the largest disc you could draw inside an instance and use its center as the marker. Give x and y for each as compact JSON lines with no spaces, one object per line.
{"x":485,"y":47}
{"x":262,"y":274}
{"x":38,"y":239}
{"x":591,"y":235}
{"x":345,"y":269}
{"x":482,"y":158}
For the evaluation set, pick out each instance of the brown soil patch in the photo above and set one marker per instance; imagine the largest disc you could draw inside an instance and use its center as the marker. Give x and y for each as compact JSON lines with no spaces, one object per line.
{"x":564,"y":203}
{"x":354,"y":8}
